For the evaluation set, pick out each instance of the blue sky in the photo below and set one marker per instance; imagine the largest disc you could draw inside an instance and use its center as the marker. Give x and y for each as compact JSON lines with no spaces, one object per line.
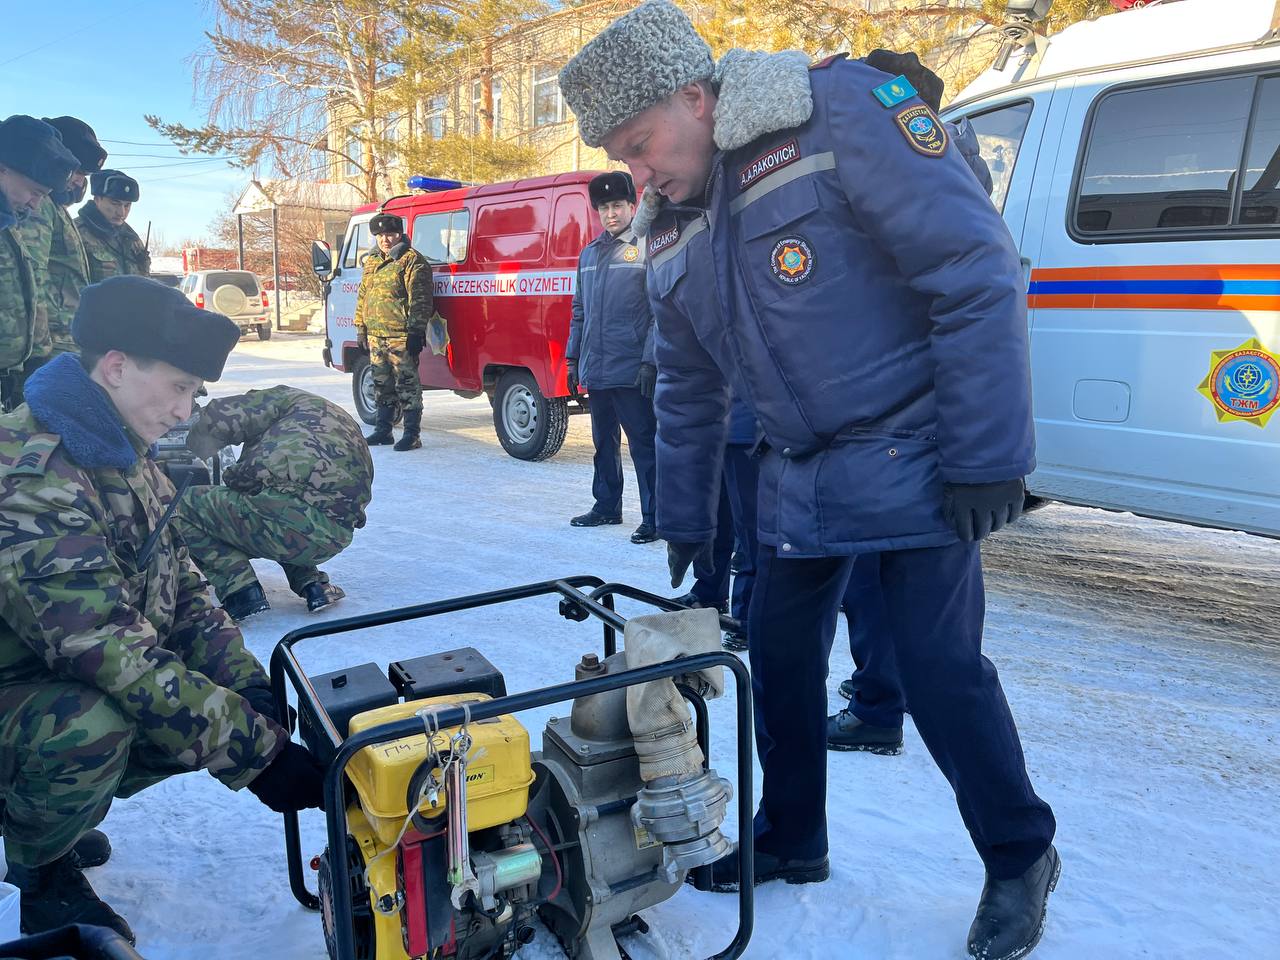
{"x":109,"y":62}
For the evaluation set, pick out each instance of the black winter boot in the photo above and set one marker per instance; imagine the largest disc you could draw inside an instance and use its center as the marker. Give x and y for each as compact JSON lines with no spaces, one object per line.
{"x":846,"y":732}
{"x":56,"y":894}
{"x":245,"y":602}
{"x":724,"y":872}
{"x":1011,"y":913}
{"x":382,"y":428}
{"x":412,"y":426}
{"x":91,"y":850}
{"x":320,"y":595}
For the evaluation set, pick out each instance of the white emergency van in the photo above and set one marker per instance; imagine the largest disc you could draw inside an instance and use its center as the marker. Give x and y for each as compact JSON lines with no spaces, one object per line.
{"x":1136,"y":160}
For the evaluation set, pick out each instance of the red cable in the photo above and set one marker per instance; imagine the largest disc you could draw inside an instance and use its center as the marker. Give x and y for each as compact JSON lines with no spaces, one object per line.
{"x":555,"y":861}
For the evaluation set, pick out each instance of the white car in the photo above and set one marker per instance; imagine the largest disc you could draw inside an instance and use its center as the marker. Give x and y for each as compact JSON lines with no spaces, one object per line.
{"x":235,"y":294}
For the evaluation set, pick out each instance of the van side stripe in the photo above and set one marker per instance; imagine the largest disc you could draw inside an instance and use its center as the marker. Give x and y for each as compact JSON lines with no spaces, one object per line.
{"x":1162,"y":287}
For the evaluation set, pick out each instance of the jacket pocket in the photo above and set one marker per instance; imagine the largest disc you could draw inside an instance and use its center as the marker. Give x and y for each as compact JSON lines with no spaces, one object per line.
{"x":791,"y":250}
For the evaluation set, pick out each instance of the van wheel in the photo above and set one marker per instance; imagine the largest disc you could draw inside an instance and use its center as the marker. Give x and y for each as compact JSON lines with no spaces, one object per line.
{"x":264,"y":331}
{"x":362,"y":392}
{"x":529,"y":425}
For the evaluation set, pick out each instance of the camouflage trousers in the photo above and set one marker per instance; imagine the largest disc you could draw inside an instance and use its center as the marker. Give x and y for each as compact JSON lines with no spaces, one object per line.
{"x":395,"y":373}
{"x":224,"y":530}
{"x":66,"y":750}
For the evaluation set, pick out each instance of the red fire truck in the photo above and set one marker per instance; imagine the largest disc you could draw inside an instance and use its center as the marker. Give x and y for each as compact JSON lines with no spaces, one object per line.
{"x":505,"y":259}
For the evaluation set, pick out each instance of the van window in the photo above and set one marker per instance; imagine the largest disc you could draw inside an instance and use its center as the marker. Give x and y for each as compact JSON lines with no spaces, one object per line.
{"x":442,"y":237}
{"x":358,"y":241}
{"x":569,"y":234}
{"x":1260,"y":203}
{"x":511,"y":231}
{"x":1000,"y":134}
{"x":1164,"y":158}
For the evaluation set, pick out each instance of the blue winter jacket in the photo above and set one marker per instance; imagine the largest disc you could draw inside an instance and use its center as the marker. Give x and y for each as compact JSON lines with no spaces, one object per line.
{"x":611,"y":330}
{"x":852,"y":282}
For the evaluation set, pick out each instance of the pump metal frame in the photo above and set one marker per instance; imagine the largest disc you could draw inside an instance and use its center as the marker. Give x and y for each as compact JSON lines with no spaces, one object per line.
{"x":575,"y":604}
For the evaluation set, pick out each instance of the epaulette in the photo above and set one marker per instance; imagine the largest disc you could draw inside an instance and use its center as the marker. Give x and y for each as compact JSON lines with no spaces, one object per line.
{"x":34,"y":456}
{"x":827,"y":61}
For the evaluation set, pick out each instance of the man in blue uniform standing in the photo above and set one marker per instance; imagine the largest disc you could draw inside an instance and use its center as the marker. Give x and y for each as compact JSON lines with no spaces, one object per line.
{"x":610,"y":353}
{"x":818,"y":245}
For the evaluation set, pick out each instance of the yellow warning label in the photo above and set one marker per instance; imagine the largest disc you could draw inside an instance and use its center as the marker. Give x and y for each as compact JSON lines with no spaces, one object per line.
{"x":643,"y":839}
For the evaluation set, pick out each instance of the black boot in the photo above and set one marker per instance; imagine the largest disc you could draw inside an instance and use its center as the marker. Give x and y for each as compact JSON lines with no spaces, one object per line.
{"x":382,"y":428}
{"x":245,"y":602}
{"x":735,"y":639}
{"x":412,"y":425}
{"x":56,"y":894}
{"x":724,"y":872}
{"x":320,"y":595}
{"x":645,"y":533}
{"x":592,"y":519}
{"x":1011,"y":913}
{"x":91,"y":850}
{"x":847,"y":732}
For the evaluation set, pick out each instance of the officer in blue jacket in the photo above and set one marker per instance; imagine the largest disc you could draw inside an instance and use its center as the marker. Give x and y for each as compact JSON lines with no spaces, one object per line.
{"x":819,"y":247}
{"x":610,"y":353}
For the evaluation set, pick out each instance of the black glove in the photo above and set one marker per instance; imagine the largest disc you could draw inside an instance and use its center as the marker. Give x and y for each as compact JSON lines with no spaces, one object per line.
{"x":647,"y":379}
{"x":571,"y":375}
{"x":680,"y":555}
{"x":264,"y":704}
{"x":977,"y":509}
{"x":414,"y":342}
{"x":927,"y":83}
{"x":293,"y":781}
{"x":362,"y":338}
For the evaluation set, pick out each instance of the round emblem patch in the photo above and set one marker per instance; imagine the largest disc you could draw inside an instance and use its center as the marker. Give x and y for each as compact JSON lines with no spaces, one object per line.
{"x":1244,"y":383}
{"x":920,"y":126}
{"x":630,"y":254}
{"x":792,"y":260}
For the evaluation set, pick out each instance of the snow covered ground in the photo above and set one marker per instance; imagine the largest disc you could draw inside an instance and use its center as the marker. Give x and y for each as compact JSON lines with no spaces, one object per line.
{"x":1141,"y":659}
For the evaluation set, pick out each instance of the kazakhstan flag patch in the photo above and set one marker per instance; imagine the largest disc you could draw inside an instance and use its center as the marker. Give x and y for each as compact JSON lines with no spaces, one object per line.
{"x":894,"y":92}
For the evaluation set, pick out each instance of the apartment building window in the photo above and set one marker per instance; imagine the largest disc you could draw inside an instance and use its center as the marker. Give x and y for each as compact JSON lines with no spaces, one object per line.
{"x":436,"y":108}
{"x":354,"y":151}
{"x":548,"y":105}
{"x":477,"y":106}
{"x":496,"y":90}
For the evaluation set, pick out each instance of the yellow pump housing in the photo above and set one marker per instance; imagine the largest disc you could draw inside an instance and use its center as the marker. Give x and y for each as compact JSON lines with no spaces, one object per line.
{"x":499,"y":772}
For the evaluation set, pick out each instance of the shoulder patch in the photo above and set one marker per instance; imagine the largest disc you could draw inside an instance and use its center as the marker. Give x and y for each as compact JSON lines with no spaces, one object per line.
{"x":893,"y":92}
{"x":34,"y":456}
{"x":827,"y":61}
{"x":661,"y":241}
{"x":773,"y":159}
{"x":923,"y":131}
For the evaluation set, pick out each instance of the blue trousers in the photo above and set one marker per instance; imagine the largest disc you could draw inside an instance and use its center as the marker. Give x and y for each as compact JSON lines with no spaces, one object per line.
{"x":877,"y":688}
{"x":627,"y":408}
{"x":934,"y":604}
{"x":735,"y":524}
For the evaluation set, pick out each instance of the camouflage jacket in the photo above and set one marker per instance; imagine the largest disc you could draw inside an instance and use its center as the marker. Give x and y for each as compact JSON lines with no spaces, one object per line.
{"x":17,"y":294}
{"x":395,"y":294}
{"x":36,"y":235}
{"x":68,"y":275}
{"x":110,"y":251}
{"x":297,"y":444}
{"x":72,"y":606}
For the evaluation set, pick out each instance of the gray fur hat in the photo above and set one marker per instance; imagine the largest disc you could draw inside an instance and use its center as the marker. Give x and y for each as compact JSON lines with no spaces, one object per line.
{"x":638,"y":60}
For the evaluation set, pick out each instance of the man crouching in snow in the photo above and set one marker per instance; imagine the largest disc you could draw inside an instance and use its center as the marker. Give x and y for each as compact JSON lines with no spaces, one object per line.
{"x":817,"y":243}
{"x":116,"y":669}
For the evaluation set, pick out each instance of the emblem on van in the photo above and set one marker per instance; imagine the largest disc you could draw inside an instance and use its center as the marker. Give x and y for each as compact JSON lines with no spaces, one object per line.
{"x":1244,"y":383}
{"x":792,"y":260}
{"x":923,"y":131}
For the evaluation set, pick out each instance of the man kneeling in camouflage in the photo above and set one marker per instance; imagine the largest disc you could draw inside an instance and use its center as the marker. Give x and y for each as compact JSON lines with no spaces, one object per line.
{"x":296,"y":495}
{"x":116,"y":669}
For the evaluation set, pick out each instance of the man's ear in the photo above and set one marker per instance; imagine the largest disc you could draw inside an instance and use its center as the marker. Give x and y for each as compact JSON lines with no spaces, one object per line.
{"x":112,"y":367}
{"x":695,"y":97}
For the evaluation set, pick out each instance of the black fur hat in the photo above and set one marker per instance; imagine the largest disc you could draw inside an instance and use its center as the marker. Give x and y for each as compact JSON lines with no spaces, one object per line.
{"x":143,"y":317}
{"x":114,"y":185}
{"x":34,"y":149}
{"x":614,"y":185}
{"x":386,"y":223}
{"x":79,"y":138}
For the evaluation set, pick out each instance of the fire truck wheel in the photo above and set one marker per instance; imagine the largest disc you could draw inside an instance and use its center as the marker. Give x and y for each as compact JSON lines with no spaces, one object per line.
{"x":529,"y":425}
{"x":362,"y":392}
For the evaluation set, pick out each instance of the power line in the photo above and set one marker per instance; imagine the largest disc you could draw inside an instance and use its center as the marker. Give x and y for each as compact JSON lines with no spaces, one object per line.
{"x":114,"y":15}
{"x":177,"y":163}
{"x":165,"y":156}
